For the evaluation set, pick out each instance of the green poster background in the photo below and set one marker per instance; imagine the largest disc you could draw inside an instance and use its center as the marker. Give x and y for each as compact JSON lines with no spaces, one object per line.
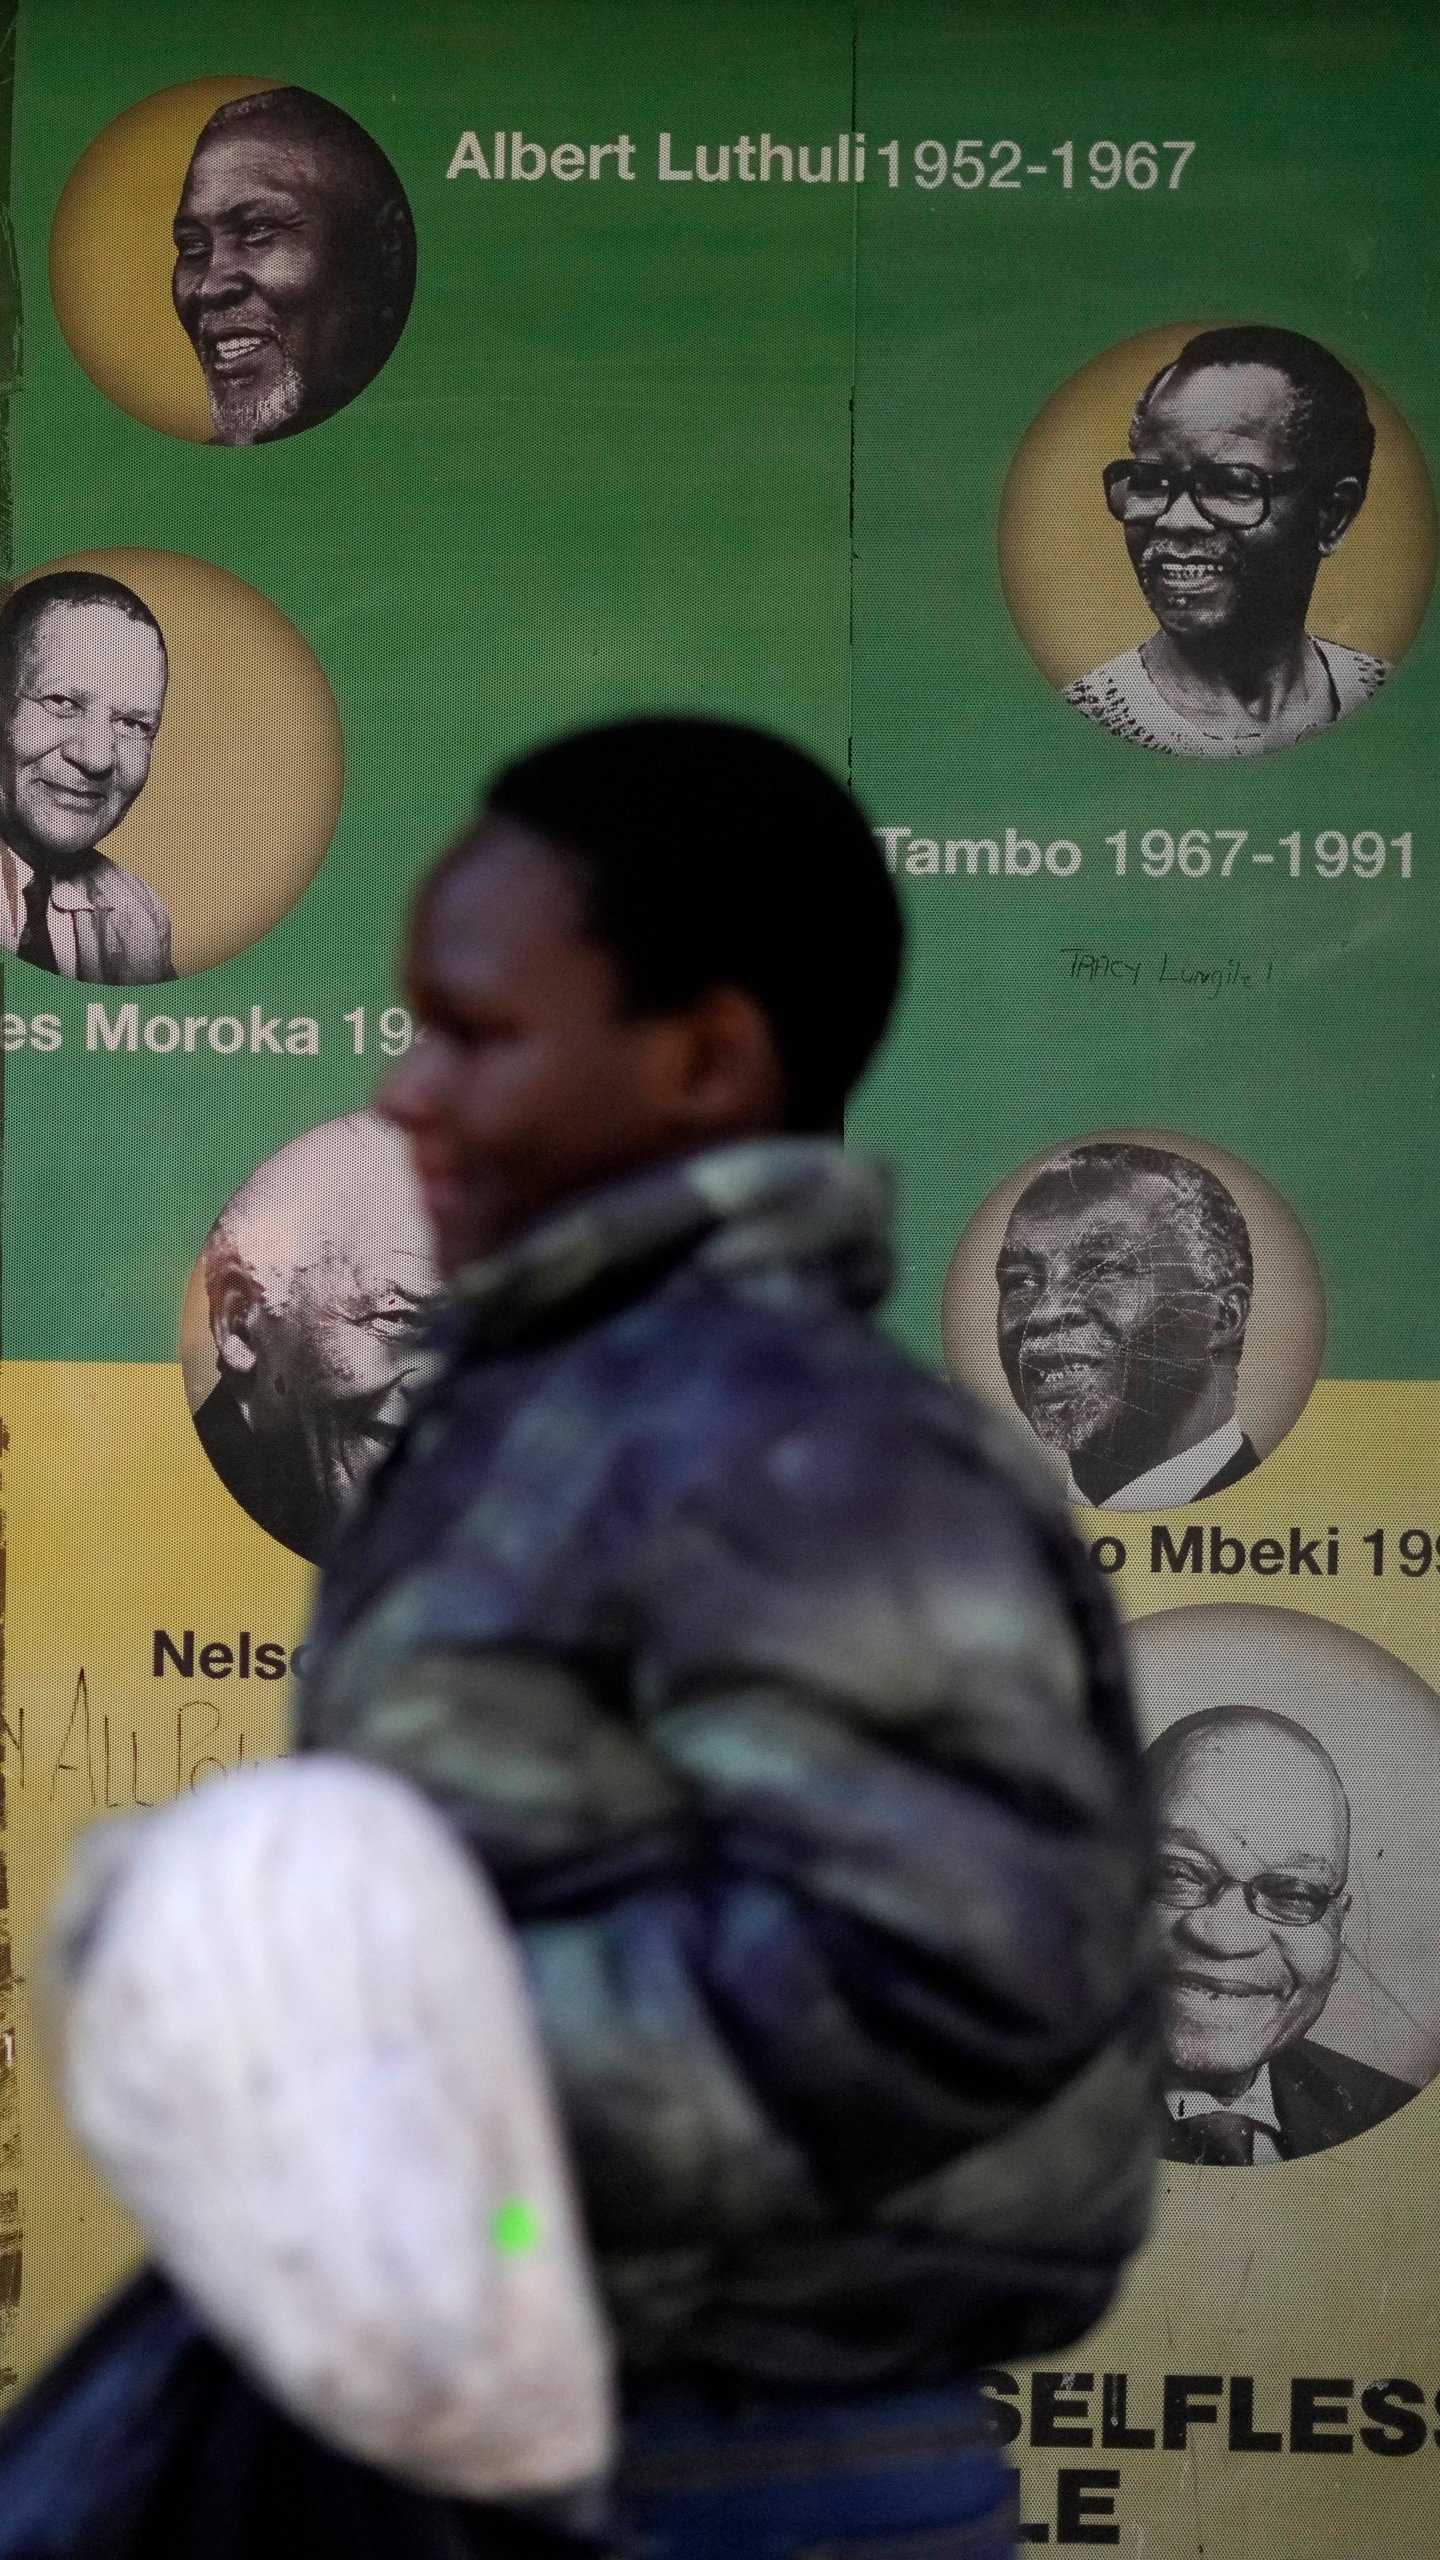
{"x":742,"y":446}
{"x":1310,"y":202}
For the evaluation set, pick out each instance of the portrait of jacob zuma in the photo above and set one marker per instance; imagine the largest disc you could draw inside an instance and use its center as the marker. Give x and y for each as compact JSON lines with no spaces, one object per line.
{"x":1243,"y":566}
{"x":270,"y":266}
{"x":1292,"y":1768}
{"x":1151,"y":1310}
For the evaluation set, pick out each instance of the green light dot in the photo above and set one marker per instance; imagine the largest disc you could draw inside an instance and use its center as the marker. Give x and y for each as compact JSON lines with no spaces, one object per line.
{"x":515,"y":2227}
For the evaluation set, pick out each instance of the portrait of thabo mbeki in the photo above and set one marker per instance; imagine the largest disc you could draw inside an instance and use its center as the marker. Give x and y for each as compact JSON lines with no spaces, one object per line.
{"x":319,"y":1279}
{"x":83,"y":676}
{"x":1126,"y":1278}
{"x":294,"y":262}
{"x":1250,"y":1896}
{"x":1249,"y":460}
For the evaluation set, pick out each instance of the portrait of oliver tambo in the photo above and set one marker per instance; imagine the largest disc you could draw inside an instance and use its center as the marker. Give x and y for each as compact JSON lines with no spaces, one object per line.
{"x":1249,"y":460}
{"x":294,"y":262}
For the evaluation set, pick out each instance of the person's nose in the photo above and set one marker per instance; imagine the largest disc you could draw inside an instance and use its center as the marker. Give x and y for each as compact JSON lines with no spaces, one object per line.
{"x":90,"y":744}
{"x":1226,"y":1927}
{"x":407,"y":1096}
{"x":222,"y":280}
{"x":1182,"y":516}
{"x":1054,"y":1307}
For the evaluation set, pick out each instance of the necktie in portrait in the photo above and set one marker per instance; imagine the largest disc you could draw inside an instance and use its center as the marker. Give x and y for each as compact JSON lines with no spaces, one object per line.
{"x":1220,"y":2138}
{"x":35,"y":943}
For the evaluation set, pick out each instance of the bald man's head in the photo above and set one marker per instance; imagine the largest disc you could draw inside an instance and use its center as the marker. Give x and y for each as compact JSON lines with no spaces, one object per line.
{"x":319,"y":1275}
{"x":1254,"y":1853}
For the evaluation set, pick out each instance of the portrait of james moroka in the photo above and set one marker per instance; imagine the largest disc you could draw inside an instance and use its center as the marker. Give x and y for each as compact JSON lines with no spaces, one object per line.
{"x":294,"y":263}
{"x":319,"y":1284}
{"x":83,"y":678}
{"x":1125,"y":1282}
{"x":1251,"y":1898}
{"x":1249,"y":460}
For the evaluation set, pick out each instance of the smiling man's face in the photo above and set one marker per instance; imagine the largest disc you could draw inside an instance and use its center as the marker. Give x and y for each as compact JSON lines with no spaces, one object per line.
{"x":276,"y":276}
{"x":1205,"y":583}
{"x":1105,"y":1323}
{"x":76,"y":743}
{"x":1247,"y":1804}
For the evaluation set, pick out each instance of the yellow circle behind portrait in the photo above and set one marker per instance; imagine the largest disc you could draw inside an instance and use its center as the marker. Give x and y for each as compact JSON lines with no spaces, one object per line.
{"x":111,"y":257}
{"x":245,"y":781}
{"x":1064,"y":567}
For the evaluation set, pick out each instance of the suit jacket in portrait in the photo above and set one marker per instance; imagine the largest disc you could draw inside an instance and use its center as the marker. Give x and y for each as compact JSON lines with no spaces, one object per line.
{"x":1323,"y":2097}
{"x":1235,"y":1467}
{"x":123,"y":938}
{"x":266,"y":1480}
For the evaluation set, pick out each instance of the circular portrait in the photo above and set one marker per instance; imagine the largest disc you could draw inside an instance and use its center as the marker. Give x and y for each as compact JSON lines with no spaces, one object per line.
{"x":153,"y":704}
{"x":1150,"y":1304}
{"x":233,"y":260}
{"x":1217,"y":540}
{"x":1295,"y":1772}
{"x":305,"y":1333}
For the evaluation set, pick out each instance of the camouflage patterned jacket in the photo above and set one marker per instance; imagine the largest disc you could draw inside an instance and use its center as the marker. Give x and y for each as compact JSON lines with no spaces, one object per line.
{"x":783,"y":1709}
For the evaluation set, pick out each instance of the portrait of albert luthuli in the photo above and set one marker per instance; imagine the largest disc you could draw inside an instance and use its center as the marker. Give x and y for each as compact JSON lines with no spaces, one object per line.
{"x":1249,"y":460}
{"x":1251,"y":1894}
{"x":83,"y":678}
{"x":294,"y":262}
{"x":1125,"y":1281}
{"x":318,"y":1281}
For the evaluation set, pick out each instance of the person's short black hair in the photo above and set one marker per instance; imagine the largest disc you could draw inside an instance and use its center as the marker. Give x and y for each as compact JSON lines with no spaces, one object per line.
{"x":25,"y":607}
{"x":714,"y":854}
{"x":373,"y":183}
{"x":1333,"y":427}
{"x":1204,"y":1213}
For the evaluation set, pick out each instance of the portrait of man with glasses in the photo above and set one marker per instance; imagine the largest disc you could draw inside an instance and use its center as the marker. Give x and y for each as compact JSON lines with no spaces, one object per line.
{"x":1250,"y":1895}
{"x":1249,"y":461}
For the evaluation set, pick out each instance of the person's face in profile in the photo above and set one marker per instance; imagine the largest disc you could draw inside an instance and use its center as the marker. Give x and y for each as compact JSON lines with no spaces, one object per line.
{"x":276,"y":270}
{"x":534,"y":1078}
{"x":1249,"y":1896}
{"x":334,"y":1367}
{"x":1206,"y":582}
{"x":1104,"y":1322}
{"x":76,"y":742}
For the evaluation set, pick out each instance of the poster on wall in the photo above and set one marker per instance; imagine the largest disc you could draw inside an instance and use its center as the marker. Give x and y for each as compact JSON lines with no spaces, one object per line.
{"x":1034,"y":416}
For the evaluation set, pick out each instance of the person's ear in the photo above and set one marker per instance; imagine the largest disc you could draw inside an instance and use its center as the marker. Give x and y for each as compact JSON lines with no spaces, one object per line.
{"x":1339,"y":508}
{"x":1231,"y":1316}
{"x":726,"y":1072}
{"x":395,"y":255}
{"x":234,"y":1306}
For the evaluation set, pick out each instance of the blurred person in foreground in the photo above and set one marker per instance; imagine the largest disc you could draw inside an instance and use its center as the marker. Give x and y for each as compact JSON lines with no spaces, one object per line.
{"x":757,"y":1669}
{"x":768,"y":1686}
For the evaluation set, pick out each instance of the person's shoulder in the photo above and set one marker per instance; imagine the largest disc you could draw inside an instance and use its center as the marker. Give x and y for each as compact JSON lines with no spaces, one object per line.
{"x":1324,"y":2097}
{"x":130,"y":942}
{"x":1120,"y":697}
{"x":1106,"y":690}
{"x":1364,"y":670}
{"x":1240,"y":1464}
{"x":118,"y":888}
{"x":828,"y":1444}
{"x":782,"y":1365}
